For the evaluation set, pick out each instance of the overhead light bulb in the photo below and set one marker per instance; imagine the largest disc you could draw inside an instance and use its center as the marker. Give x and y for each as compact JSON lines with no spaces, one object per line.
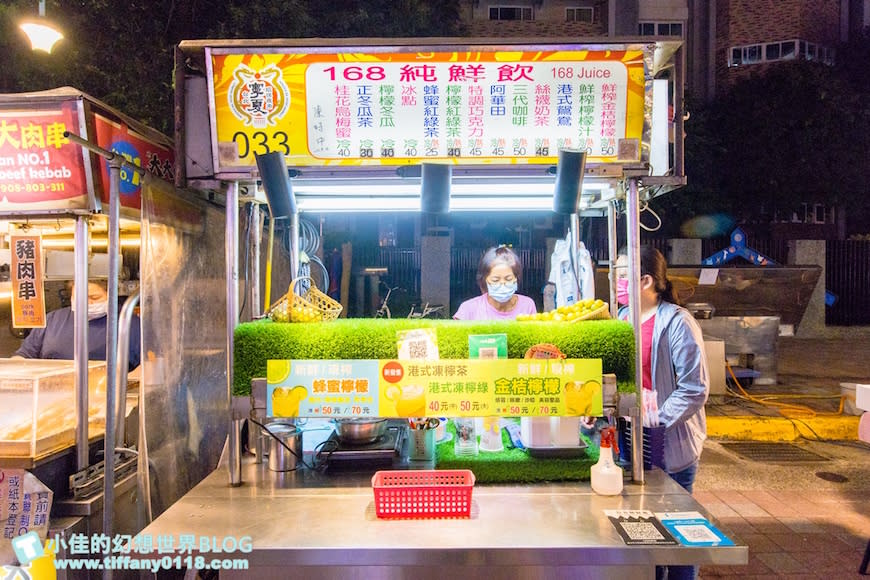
{"x":41,"y":34}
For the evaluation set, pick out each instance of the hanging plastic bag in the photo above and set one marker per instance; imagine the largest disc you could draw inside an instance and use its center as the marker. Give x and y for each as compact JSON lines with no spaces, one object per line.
{"x":571,"y":273}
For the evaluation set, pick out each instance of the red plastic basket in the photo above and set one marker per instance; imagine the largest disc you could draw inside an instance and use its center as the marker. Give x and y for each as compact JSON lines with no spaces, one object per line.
{"x":444,"y":493}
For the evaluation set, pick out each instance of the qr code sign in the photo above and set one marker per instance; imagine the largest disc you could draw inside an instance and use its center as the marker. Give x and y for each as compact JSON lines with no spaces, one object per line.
{"x":641,"y":531}
{"x":696,"y":533}
{"x":418,"y":349}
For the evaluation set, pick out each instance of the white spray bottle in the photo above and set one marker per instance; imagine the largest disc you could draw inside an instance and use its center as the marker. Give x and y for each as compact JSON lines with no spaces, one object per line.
{"x":606,"y":476}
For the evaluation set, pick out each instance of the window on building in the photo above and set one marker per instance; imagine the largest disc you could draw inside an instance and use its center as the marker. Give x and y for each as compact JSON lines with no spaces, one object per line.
{"x":510,"y":13}
{"x":660,"y":29}
{"x":751,"y":54}
{"x":580,"y":14}
{"x":783,"y":50}
{"x":772,"y":51}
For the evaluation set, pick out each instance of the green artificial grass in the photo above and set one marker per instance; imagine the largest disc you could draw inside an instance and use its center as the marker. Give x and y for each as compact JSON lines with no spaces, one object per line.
{"x":361,"y":338}
{"x":516,"y":465}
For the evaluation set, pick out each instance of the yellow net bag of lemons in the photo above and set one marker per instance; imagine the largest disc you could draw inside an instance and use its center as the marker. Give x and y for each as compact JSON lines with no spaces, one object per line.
{"x":311,"y":305}
{"x":590,"y":309}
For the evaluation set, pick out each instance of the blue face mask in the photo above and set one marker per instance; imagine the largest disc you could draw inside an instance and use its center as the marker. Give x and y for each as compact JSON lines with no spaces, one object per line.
{"x":501,"y":292}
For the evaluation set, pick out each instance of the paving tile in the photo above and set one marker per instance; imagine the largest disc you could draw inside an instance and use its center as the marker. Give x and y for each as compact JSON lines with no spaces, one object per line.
{"x":748,"y":509}
{"x":781,"y":563}
{"x":760,"y":543}
{"x":795,"y":542}
{"x":769,"y":503}
{"x":754,"y":566}
{"x":801,"y":525}
{"x":817,"y":561}
{"x":735,"y":526}
{"x":768,"y":525}
{"x":854,"y":541}
{"x":721,"y":510}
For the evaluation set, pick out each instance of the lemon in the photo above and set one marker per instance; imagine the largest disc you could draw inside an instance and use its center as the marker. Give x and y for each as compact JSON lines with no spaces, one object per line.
{"x":392,"y":393}
{"x":277,"y":371}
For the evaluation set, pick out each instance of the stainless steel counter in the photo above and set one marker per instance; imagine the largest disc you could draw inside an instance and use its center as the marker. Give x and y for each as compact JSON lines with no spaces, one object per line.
{"x":314,"y":525}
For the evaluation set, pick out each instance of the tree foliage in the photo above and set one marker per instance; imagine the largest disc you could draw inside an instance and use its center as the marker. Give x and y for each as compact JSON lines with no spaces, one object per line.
{"x":122,"y":54}
{"x":798,"y":132}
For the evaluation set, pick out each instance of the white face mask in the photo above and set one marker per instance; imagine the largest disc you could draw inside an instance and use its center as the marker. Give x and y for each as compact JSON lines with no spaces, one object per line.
{"x":97,"y":309}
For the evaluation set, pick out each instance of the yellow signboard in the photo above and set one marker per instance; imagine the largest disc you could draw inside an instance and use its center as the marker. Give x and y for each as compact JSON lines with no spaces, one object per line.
{"x":381,"y":108}
{"x":455,"y":388}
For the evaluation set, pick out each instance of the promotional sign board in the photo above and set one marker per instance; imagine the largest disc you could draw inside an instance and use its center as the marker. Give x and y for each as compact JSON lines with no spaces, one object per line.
{"x":142,"y":152}
{"x":41,"y":170}
{"x":39,"y":167}
{"x":455,"y":388}
{"x":478,"y":105}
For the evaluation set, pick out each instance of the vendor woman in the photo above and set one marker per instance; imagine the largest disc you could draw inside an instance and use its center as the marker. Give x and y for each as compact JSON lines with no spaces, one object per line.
{"x":498,"y":275}
{"x":55,"y":341}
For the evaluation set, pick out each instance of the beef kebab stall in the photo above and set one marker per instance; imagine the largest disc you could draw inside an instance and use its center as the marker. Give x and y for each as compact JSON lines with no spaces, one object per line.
{"x":430,"y":126}
{"x":87,"y":193}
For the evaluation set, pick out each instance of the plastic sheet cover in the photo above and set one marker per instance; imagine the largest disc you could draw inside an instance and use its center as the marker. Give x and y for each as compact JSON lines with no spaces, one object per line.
{"x":183,"y":303}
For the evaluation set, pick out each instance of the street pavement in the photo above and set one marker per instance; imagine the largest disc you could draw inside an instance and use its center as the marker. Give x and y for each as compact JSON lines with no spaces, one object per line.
{"x":804,"y":518}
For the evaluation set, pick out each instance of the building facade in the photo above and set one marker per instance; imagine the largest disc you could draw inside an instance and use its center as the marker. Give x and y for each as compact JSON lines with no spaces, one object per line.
{"x":725,"y":40}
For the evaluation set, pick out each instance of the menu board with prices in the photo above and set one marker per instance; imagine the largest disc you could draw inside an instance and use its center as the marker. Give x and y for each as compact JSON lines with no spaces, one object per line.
{"x":480,"y":106}
{"x":458,"y":388}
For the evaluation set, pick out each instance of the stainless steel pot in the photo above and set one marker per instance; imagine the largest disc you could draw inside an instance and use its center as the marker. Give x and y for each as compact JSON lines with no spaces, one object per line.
{"x":280,"y":457}
{"x":359,"y":431}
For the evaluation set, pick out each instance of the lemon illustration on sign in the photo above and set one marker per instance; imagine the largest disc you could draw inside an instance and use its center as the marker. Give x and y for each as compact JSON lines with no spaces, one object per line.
{"x":579,"y":398}
{"x":285,"y":401}
{"x":277,"y":371}
{"x":411,"y":401}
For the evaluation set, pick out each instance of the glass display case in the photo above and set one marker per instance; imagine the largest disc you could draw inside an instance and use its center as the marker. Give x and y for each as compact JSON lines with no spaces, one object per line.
{"x":39,"y":405}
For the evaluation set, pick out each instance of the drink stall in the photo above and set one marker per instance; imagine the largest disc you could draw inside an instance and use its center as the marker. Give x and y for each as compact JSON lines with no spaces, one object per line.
{"x":431,"y":125}
{"x":86,"y":193}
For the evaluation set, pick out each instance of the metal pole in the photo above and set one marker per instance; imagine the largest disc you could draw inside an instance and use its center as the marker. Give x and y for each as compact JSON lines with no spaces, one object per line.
{"x":632,"y":213}
{"x":294,"y":245}
{"x":80,"y":338}
{"x":124,"y":322}
{"x":114,"y":249}
{"x":256,"y":227}
{"x":574,"y":229}
{"x":612,"y":253}
{"x":115,"y":162}
{"x":232,"y":272}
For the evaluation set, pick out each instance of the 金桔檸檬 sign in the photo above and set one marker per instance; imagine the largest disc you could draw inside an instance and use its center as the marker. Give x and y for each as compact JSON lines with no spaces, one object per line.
{"x":455,"y":388}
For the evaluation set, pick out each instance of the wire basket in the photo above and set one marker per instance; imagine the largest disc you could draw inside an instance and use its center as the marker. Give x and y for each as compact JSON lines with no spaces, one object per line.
{"x":601,"y":313}
{"x":443,"y":493}
{"x":311,"y":306}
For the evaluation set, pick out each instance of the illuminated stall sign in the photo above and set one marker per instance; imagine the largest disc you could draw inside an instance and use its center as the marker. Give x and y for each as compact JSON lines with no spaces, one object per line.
{"x":137,"y":149}
{"x":28,"y":294}
{"x":456,"y":388}
{"x":351,"y":108}
{"x":39,"y":167}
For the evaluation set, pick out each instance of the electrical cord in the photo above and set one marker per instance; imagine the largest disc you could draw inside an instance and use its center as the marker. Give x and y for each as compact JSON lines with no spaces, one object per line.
{"x":298,"y":457}
{"x":644,"y":208}
{"x":788,"y":410}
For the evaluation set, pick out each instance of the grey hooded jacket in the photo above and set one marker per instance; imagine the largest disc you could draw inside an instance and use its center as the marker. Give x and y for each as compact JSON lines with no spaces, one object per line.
{"x":682,"y":384}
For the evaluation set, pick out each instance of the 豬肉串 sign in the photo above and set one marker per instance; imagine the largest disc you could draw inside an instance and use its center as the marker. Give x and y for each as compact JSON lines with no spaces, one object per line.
{"x":456,"y":388}
{"x":480,"y":106}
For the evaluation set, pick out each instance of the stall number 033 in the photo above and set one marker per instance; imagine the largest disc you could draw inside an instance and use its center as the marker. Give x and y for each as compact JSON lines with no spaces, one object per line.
{"x":261,"y":143}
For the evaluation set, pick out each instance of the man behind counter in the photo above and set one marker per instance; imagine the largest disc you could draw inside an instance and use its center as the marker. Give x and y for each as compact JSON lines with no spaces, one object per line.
{"x":55,"y":341}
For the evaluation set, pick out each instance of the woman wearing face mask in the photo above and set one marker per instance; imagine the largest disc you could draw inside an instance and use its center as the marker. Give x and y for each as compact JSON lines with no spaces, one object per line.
{"x":56,"y":339}
{"x":675,"y":378}
{"x":498,"y":275}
